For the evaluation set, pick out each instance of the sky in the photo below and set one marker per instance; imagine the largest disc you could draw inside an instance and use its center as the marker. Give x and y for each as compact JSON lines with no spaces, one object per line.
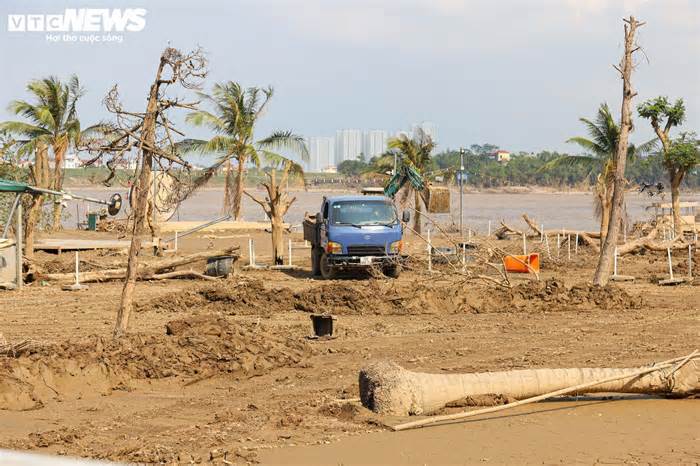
{"x":515,"y":73}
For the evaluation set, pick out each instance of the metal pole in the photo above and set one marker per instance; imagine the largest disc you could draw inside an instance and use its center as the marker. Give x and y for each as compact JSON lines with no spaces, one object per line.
{"x":175,"y":240}
{"x":9,"y":217}
{"x":576,"y":245}
{"x":18,"y":245}
{"x":250,"y":251}
{"x":670,"y":265}
{"x":690,"y":261}
{"x":489,"y":233}
{"x":461,"y":191}
{"x":568,"y":246}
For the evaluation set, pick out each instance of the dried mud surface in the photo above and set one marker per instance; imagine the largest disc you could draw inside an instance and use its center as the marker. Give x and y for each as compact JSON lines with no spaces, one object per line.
{"x":224,"y":372}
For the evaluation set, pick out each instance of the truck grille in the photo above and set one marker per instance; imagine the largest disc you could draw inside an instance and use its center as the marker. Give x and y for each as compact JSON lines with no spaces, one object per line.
{"x":366,"y":250}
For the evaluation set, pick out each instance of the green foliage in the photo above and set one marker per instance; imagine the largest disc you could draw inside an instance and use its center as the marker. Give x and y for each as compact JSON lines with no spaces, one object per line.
{"x":353,"y":167}
{"x":659,"y":109}
{"x":684,"y":152}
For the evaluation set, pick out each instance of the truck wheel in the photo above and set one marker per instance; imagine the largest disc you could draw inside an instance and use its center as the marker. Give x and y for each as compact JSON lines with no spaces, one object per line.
{"x":316,"y":261}
{"x":392,"y":271}
{"x":327,"y":271}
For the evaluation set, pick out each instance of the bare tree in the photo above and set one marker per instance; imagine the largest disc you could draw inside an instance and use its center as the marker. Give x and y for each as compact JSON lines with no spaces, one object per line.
{"x":276,"y":205}
{"x":607,"y":251}
{"x":151,"y":135}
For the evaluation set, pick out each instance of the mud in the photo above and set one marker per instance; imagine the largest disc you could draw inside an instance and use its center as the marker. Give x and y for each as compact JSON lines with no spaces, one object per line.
{"x":375,"y":297}
{"x":191,"y":348}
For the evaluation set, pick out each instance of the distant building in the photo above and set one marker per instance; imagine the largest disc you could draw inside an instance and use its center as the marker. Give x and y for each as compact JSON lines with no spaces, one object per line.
{"x":501,"y":156}
{"x":374,"y":143}
{"x":72,"y":160}
{"x":329,"y":169}
{"x":429,"y":129}
{"x":321,"y":152}
{"x":348,"y":145}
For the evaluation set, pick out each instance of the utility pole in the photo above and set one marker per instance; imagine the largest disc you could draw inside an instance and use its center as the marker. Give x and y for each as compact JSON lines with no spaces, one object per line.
{"x":461,"y":183}
{"x":394,"y":172}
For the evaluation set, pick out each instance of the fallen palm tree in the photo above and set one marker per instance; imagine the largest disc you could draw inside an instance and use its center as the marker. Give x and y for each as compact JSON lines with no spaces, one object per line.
{"x":387,"y":388}
{"x":160,"y":270}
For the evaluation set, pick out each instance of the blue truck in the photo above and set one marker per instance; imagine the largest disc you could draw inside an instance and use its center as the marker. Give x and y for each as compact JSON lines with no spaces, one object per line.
{"x":355,"y":232}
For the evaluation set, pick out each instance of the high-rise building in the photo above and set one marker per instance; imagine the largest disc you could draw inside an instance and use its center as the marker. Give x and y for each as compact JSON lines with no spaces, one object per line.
{"x":348,"y":144}
{"x":429,"y":129}
{"x":374,"y":143}
{"x":321,"y":153}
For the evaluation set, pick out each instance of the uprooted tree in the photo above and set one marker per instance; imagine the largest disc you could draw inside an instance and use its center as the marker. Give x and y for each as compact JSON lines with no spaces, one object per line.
{"x":277,"y":203}
{"x":152,"y":136}
{"x":607,"y":250}
{"x":679,"y":155}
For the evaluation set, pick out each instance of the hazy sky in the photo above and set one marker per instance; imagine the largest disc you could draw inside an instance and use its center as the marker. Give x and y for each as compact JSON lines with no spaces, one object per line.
{"x":516,"y":73}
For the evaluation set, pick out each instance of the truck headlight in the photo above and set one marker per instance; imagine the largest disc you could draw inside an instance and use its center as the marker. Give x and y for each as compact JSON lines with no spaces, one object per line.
{"x":334,"y":248}
{"x":396,"y":247}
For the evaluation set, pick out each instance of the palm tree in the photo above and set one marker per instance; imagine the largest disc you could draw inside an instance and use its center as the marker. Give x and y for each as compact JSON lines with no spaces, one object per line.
{"x":236,"y":111}
{"x":600,"y":150}
{"x":412,"y":153}
{"x":52,"y":123}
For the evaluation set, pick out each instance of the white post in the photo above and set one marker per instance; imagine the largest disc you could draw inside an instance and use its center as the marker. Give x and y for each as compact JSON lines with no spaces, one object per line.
{"x":670,"y":265}
{"x":464,"y":257}
{"x":576,"y":245}
{"x":546,"y":242}
{"x":250,"y":252}
{"x":524,"y":245}
{"x":615,"y":263}
{"x":690,"y":262}
{"x":568,"y":247}
{"x":290,"y":252}
{"x":489,"y":234}
{"x":77,"y":268}
{"x":469,"y":234}
{"x":430,"y":253}
{"x":18,"y":246}
{"x":558,"y":244}
{"x":542,"y":233}
{"x":175,"y":240}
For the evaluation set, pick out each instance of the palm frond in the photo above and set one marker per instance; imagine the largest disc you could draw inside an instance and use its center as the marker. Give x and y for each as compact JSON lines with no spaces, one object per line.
{"x":286,"y":140}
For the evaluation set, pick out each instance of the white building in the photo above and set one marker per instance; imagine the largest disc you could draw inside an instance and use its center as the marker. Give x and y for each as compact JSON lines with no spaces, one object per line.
{"x":374,"y":143}
{"x":71,"y":160}
{"x":429,"y":129}
{"x":348,"y":144}
{"x":321,"y":153}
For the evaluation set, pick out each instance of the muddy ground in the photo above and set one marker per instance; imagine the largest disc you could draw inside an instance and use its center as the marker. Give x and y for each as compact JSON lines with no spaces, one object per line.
{"x":224,"y":371}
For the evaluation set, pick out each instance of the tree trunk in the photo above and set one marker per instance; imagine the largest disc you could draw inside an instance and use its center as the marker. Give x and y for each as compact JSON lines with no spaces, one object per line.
{"x":676,"y":180}
{"x":141,"y":189}
{"x":238,"y":195}
{"x":607,"y":250}
{"x":605,"y":202}
{"x":59,"y":155}
{"x":227,"y":188}
{"x":387,"y":388}
{"x":277,"y":240}
{"x":32,"y":218}
{"x":275,"y":207}
{"x":418,"y":220}
{"x":40,"y":174}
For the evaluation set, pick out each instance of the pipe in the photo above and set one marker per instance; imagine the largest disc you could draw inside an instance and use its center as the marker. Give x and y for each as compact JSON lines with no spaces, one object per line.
{"x":199,"y":227}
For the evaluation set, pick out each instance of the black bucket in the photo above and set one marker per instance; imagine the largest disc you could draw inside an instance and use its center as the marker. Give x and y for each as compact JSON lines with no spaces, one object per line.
{"x":323,"y":325}
{"x":220,"y":266}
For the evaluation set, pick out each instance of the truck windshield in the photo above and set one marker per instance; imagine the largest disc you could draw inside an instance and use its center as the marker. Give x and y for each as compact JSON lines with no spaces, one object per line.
{"x":358,"y":213}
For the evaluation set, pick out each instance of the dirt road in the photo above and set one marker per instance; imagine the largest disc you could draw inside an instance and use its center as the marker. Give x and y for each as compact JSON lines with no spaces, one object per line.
{"x":224,"y":371}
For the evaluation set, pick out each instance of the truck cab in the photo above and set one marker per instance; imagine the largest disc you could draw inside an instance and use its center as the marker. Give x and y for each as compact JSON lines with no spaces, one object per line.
{"x":355,"y":232}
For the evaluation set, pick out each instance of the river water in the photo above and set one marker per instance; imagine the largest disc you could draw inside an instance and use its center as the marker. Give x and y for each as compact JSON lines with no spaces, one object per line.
{"x":556,"y":210}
